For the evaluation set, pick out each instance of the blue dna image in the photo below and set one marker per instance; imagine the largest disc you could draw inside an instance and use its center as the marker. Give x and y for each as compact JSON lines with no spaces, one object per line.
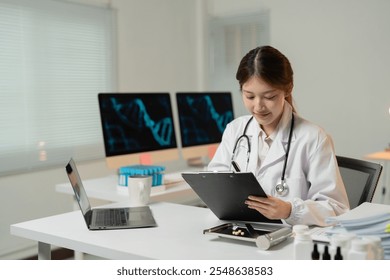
{"x":131,"y":127}
{"x":201,"y":122}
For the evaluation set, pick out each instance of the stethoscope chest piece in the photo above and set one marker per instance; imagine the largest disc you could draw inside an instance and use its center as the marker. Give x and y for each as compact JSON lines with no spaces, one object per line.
{"x":280,"y":189}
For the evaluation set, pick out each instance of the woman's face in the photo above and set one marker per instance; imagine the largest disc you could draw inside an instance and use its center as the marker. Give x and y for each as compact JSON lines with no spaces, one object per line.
{"x":264,"y":102}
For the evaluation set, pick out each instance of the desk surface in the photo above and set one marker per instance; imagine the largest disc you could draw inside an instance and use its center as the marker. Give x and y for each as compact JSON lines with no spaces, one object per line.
{"x":179,"y":235}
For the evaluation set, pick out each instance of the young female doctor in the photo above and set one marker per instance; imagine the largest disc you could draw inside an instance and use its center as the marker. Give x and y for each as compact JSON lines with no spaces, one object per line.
{"x":293,"y":159}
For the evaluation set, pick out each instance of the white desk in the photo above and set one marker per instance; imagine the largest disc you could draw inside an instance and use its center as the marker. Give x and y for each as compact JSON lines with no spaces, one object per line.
{"x":179,"y":235}
{"x":106,"y":188}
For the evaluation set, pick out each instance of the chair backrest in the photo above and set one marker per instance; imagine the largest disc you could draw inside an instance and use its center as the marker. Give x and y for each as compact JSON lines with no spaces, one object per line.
{"x":360,"y":179}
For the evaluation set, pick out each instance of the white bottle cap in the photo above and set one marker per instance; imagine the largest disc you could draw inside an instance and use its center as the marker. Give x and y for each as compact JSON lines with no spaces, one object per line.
{"x":298,"y":229}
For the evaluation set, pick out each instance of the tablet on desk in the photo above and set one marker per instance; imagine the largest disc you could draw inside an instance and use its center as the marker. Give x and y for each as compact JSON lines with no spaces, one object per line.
{"x":225,"y":194}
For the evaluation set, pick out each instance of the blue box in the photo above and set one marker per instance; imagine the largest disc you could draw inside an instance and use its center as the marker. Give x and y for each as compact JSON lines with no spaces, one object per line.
{"x":153,"y":170}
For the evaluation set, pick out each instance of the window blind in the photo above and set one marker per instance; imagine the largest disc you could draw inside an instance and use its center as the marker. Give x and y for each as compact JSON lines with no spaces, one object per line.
{"x":55,"y":57}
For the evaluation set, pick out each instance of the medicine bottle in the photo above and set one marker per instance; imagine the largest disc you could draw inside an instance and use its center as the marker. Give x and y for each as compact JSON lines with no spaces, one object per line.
{"x":325,"y":254}
{"x":338,"y":255}
{"x":342,"y":241}
{"x":376,"y":246}
{"x":303,"y":245}
{"x":360,"y":250}
{"x":315,"y":254}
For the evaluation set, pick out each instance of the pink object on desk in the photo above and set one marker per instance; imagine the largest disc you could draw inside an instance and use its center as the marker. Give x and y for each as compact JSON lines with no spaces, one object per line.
{"x":145,"y":159}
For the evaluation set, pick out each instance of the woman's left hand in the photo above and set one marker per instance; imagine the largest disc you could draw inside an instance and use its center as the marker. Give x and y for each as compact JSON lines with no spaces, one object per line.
{"x":271,"y":207}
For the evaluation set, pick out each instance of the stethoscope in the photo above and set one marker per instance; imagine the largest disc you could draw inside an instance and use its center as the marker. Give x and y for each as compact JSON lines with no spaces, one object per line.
{"x":282,"y":188}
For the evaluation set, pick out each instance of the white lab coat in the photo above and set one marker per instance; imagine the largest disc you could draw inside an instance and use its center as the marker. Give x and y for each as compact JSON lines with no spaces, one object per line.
{"x":316,"y":190}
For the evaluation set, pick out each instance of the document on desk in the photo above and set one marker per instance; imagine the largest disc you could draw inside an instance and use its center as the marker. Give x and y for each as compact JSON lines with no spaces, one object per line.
{"x":367,"y":218}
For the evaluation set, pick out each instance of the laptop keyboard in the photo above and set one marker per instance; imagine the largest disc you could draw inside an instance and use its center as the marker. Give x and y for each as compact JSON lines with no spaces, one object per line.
{"x":111,"y":217}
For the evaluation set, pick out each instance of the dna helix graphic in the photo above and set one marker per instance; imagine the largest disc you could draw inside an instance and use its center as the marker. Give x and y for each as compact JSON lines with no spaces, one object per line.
{"x":200,"y":121}
{"x":134,"y":114}
{"x":204,"y":109}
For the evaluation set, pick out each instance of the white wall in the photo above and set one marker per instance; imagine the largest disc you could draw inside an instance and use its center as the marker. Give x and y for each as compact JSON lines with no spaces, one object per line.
{"x":338,"y":48}
{"x":156,"y":45}
{"x":341,"y":57}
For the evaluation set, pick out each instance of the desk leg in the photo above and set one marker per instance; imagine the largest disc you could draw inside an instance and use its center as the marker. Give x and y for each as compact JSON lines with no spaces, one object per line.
{"x":77,"y":255}
{"x":44,"y":251}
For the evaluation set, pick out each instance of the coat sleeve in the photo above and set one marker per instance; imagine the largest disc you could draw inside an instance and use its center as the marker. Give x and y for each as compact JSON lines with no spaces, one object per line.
{"x":327,"y":195}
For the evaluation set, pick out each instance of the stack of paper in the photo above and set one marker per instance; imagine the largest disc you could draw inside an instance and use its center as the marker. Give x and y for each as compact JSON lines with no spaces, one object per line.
{"x":366,"y":219}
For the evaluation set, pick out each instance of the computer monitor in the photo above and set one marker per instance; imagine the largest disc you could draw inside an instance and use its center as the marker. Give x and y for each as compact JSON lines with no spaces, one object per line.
{"x":138,"y":128}
{"x":203,"y":117}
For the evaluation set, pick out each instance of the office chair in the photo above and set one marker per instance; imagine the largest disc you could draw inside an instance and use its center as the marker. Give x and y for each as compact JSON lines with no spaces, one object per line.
{"x":360,"y":179}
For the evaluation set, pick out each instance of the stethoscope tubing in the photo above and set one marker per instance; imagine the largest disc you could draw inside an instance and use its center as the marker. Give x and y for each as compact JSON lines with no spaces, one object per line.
{"x":244,"y":136}
{"x":288,"y":147}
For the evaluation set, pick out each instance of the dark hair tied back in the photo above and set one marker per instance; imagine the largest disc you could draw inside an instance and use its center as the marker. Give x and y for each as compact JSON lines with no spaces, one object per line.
{"x":270,"y":65}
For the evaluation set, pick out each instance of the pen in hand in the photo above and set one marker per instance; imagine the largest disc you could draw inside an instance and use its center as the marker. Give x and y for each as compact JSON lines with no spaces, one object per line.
{"x":235,"y":166}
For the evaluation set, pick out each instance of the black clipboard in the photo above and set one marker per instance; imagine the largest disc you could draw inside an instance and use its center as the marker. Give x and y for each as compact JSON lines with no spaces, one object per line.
{"x":225,"y":193}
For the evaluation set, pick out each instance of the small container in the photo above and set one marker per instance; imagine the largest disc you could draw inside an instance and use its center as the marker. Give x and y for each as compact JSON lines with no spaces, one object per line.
{"x":315,"y":255}
{"x":325,"y":254}
{"x":152,"y":170}
{"x":360,"y":250}
{"x":338,"y":255}
{"x":340,"y":240}
{"x":303,"y":245}
{"x":376,"y":246}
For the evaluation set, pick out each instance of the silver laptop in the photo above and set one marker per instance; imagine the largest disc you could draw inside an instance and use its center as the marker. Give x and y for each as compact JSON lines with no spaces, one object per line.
{"x":107,"y":218}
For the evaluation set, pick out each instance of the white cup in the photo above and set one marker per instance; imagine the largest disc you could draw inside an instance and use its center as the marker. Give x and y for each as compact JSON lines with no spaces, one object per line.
{"x":139,"y":187}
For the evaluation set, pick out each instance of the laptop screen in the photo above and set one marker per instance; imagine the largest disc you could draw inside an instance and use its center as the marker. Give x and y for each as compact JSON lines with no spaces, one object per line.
{"x":77,"y":185}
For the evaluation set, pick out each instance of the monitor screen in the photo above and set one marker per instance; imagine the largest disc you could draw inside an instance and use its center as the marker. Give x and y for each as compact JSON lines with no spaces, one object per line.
{"x":203,"y":117}
{"x":137,"y":126}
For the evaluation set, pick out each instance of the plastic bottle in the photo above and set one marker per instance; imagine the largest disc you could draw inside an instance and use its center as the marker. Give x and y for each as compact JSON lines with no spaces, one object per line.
{"x":360,"y":250}
{"x":325,"y":254}
{"x":338,"y":255}
{"x":303,"y":245}
{"x":342,"y":240}
{"x":376,"y":246}
{"x":315,"y":255}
